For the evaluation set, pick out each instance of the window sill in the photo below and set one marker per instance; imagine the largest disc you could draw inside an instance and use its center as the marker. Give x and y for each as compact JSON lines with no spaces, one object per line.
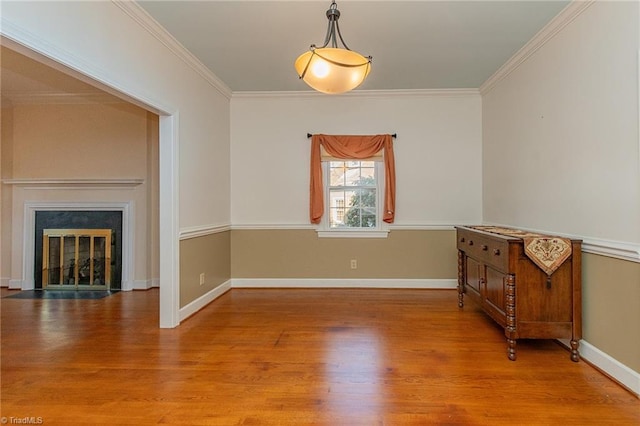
{"x":353,"y":234}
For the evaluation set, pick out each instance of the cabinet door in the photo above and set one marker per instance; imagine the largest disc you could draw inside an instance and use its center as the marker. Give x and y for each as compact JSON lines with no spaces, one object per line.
{"x":474,"y":274}
{"x":494,"y":291}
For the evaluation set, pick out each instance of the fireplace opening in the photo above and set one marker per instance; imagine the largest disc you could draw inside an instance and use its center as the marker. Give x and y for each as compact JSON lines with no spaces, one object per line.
{"x":78,"y":250}
{"x":76,"y":258}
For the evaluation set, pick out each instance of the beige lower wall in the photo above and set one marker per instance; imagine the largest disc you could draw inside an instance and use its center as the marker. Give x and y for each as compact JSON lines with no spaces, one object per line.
{"x":611,"y":307}
{"x":414,"y":254}
{"x":210,"y":255}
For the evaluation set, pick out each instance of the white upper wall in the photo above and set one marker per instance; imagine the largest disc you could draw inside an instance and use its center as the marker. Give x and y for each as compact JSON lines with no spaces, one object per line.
{"x":437,"y":152}
{"x":107,"y":41}
{"x":560,"y":133}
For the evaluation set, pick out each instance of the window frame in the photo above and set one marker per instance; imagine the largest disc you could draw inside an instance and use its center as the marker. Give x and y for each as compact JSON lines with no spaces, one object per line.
{"x":381,"y":230}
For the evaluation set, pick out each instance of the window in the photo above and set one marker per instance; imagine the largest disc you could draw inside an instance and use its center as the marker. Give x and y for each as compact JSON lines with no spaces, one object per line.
{"x":352,"y":185}
{"x":352,"y":193}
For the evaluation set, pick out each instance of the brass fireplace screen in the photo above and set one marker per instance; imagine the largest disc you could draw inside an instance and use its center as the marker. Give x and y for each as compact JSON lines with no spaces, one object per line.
{"x":76,"y":258}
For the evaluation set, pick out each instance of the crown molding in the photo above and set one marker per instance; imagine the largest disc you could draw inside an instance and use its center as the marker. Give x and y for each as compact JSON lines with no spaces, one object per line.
{"x":73,"y":183}
{"x":401,"y":93}
{"x":60,"y":98}
{"x":561,"y":20}
{"x":146,"y":21}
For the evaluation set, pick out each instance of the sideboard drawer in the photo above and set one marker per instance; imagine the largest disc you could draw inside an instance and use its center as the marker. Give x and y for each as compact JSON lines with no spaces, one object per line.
{"x":492,"y":251}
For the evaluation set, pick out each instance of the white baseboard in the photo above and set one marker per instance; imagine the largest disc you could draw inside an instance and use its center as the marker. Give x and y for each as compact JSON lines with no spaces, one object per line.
{"x":145,"y":284}
{"x":203,"y":301}
{"x":4,"y":282}
{"x":343,"y":283}
{"x":17,"y":285}
{"x":622,"y":374}
{"x":140,"y":285}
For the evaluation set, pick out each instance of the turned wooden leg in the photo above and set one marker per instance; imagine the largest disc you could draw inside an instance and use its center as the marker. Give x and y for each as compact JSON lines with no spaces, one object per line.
{"x":510,"y":329}
{"x":575,"y":356}
{"x":511,"y":349}
{"x":460,"y":279}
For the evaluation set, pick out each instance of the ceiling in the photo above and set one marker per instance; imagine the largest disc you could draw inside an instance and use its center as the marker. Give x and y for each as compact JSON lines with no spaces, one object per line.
{"x":251,"y":45}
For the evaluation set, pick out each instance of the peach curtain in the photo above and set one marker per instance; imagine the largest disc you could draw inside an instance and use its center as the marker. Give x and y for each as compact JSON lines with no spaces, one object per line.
{"x":353,"y":148}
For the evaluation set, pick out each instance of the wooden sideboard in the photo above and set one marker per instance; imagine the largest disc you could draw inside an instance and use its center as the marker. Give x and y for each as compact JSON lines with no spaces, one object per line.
{"x":495,"y":272}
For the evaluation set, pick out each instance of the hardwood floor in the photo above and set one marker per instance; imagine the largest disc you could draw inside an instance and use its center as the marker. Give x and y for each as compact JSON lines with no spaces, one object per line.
{"x":291,"y":357}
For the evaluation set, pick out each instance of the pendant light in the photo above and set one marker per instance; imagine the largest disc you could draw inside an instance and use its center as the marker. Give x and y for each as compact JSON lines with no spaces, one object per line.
{"x":329,"y":68}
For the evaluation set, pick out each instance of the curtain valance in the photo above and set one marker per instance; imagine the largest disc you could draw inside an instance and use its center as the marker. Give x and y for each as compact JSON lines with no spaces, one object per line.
{"x":352,"y":148}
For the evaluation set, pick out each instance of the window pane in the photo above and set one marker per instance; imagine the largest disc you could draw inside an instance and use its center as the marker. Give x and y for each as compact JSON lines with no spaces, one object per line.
{"x":337,"y":203}
{"x":336,"y":173}
{"x":352,"y":177}
{"x":362,"y":197}
{"x":368,"y":164}
{"x":351,"y":197}
{"x":368,"y":176}
{"x":337,"y":196}
{"x":352,"y":218}
{"x":368,"y":217}
{"x":336,"y":218}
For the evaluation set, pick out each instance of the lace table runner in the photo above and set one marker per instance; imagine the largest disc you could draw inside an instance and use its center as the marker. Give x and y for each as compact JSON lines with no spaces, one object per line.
{"x":548,"y":252}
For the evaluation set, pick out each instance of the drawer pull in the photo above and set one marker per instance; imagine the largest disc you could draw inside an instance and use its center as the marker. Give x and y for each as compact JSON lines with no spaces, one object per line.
{"x":496,"y":252}
{"x":470,"y":242}
{"x":462,"y":240}
{"x":484,"y":248}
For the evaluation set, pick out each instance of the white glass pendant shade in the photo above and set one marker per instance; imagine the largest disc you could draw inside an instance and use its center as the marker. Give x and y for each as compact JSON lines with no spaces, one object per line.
{"x":332,"y":70}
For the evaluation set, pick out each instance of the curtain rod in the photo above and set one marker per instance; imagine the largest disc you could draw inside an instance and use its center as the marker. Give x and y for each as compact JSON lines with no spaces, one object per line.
{"x":393,"y":135}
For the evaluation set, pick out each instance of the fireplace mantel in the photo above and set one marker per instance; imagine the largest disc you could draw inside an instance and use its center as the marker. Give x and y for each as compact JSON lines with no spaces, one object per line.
{"x":74,"y":183}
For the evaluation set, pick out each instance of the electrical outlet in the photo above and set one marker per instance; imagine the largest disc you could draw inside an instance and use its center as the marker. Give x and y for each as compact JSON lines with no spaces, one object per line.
{"x":202,"y":278}
{"x":354,"y":264}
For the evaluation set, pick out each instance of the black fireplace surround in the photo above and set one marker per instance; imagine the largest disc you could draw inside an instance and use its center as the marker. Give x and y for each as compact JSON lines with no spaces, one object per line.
{"x":81,"y":220}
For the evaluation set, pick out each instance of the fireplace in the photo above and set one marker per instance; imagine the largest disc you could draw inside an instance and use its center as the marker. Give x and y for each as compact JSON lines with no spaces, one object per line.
{"x":76,"y":259}
{"x":78,"y":250}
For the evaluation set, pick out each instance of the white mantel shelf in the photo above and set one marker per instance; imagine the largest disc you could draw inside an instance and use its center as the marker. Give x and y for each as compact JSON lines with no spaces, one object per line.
{"x":74,"y":183}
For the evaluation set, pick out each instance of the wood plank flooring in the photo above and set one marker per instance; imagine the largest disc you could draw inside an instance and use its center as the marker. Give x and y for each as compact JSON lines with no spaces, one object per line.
{"x":290,"y":357}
